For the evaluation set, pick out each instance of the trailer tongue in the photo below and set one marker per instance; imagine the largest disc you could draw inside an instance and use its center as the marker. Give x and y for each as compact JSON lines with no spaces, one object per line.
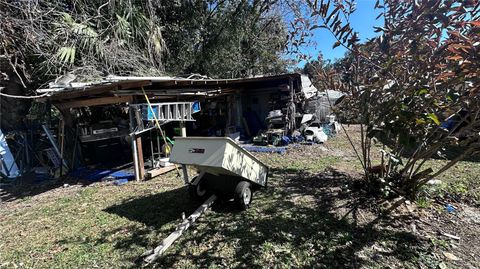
{"x":226,"y":170}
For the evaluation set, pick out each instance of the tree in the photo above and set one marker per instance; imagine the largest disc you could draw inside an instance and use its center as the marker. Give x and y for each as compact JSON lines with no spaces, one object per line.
{"x":46,"y":39}
{"x":415,"y":87}
{"x":222,"y":38}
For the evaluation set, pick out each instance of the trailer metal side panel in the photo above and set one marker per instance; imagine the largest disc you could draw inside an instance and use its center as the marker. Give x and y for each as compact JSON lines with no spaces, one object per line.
{"x":219,"y":156}
{"x":236,"y":161}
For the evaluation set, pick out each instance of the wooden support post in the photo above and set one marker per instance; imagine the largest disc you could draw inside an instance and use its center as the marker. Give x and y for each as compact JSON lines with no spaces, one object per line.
{"x":138,"y":118}
{"x":153,"y":255}
{"x":152,"y":152}
{"x":134,"y":144}
{"x":141,"y":164}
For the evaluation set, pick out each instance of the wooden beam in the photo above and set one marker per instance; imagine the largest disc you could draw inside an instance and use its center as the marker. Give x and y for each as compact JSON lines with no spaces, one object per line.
{"x":202,"y":91}
{"x":94,"y":102}
{"x":159,"y":171}
{"x":153,"y":255}
{"x":141,"y":164}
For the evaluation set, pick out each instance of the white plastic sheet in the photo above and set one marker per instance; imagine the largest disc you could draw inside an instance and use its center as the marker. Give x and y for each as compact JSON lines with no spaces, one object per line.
{"x":8,"y":167}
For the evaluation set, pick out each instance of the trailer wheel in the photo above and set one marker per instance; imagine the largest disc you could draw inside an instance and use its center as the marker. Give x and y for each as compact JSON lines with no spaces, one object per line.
{"x":197,"y":191}
{"x":243,"y":195}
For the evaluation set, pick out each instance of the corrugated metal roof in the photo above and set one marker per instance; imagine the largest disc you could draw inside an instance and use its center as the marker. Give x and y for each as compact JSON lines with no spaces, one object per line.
{"x":165,"y":85}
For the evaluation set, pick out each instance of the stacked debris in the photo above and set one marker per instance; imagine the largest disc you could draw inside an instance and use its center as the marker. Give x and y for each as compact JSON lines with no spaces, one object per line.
{"x":317,"y":122}
{"x":320,"y":105}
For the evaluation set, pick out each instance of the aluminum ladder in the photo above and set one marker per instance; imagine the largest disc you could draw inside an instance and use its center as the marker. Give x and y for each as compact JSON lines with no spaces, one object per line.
{"x":167,"y":112}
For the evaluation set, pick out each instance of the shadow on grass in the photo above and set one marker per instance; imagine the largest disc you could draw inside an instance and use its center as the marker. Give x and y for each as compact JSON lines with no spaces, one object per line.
{"x":301,"y":220}
{"x":29,"y":186}
{"x":158,"y":209}
{"x":153,"y":217}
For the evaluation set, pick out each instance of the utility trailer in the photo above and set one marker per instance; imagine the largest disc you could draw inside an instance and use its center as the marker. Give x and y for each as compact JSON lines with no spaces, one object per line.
{"x":226,"y":169}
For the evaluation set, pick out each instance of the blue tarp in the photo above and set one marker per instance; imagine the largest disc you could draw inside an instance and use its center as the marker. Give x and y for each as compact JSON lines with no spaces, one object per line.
{"x":99,"y":174}
{"x":292,"y":139}
{"x":150,"y":115}
{"x":196,"y":107}
{"x":280,"y":150}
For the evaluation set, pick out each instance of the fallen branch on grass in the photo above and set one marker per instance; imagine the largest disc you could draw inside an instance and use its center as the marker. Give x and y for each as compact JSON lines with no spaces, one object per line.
{"x":153,"y":255}
{"x":451,"y":236}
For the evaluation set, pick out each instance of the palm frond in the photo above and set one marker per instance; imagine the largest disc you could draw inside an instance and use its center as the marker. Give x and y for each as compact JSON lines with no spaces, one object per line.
{"x":66,"y":55}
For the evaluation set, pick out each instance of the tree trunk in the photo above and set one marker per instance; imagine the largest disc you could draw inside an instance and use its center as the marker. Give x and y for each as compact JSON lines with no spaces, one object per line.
{"x":13,"y":111}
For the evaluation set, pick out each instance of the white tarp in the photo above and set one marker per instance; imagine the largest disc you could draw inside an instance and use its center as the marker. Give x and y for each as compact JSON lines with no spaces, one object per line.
{"x":8,"y":167}
{"x":332,"y":95}
{"x":307,"y":87}
{"x":309,"y":90}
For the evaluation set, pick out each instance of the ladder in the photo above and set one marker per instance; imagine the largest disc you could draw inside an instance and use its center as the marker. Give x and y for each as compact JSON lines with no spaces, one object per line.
{"x":167,"y":112}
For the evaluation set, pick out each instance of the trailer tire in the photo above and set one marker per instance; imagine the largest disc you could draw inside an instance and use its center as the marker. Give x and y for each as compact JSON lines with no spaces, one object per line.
{"x":198,"y":191}
{"x":243,"y":195}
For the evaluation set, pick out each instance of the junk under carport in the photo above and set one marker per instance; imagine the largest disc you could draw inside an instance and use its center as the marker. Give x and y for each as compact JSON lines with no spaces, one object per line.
{"x":114,"y":115}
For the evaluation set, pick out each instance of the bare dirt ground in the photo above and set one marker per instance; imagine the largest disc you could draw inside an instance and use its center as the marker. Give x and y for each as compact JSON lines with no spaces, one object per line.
{"x":314,"y":214}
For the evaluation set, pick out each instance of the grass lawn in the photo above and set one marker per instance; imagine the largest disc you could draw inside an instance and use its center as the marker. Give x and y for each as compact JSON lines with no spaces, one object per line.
{"x":312,"y":215}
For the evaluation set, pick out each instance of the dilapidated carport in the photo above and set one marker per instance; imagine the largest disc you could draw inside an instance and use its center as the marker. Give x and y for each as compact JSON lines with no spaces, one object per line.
{"x":229,"y":106}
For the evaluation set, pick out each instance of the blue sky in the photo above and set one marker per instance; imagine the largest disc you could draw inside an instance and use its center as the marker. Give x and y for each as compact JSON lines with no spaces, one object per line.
{"x":362,"y":21}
